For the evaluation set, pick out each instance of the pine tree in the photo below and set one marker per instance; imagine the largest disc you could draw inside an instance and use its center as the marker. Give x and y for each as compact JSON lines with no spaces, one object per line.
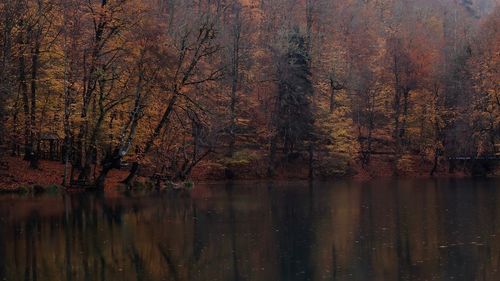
{"x":293,"y":116}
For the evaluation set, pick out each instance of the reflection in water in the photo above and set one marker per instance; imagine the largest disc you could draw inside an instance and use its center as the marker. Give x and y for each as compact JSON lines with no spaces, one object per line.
{"x":413,"y":230}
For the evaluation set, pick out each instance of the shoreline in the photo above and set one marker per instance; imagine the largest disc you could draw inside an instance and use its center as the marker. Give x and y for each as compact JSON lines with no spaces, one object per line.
{"x":21,"y":179}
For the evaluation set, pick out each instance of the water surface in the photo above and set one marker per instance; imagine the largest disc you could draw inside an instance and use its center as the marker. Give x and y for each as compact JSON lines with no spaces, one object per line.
{"x":384,"y":230}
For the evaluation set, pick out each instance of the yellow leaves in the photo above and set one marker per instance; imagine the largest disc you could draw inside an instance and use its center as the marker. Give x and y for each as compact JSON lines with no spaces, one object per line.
{"x":241,"y":158}
{"x":338,"y":127}
{"x":406,"y":164}
{"x":484,"y":64}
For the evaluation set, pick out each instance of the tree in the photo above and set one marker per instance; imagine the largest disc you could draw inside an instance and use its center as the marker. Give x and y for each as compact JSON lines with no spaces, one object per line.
{"x":100,"y":75}
{"x":293,"y":118}
{"x":192,"y":44}
{"x":7,"y":24}
{"x":235,"y":61}
{"x":484,"y":63}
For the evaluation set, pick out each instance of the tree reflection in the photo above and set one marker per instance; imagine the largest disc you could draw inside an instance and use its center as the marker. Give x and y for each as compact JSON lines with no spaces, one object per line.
{"x":426,"y":230}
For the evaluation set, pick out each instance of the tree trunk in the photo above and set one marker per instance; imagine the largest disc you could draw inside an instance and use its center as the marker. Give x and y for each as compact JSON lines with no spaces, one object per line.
{"x":332,"y":99}
{"x":109,"y":164}
{"x":272,"y":157}
{"x":91,"y":151}
{"x":436,"y":161}
{"x":334,"y":86}
{"x":67,"y":129}
{"x":311,"y":161}
{"x":309,"y":23}
{"x":149,"y":144}
{"x":5,"y":83}
{"x":35,"y":54}
{"x":15,"y":116}
{"x":126,"y":140}
{"x":402,"y":131}
{"x":26,"y":106}
{"x":235,"y":61}
{"x":90,"y":80}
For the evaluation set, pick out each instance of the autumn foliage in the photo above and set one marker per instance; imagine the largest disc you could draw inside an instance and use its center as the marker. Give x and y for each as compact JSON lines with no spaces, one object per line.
{"x":247,"y":88}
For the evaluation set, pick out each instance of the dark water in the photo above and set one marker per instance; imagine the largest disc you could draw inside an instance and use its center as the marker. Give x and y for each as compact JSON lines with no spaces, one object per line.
{"x":407,"y":230}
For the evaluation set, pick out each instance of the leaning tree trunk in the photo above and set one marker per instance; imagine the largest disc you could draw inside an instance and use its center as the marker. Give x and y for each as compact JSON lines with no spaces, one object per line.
{"x":149,"y":144}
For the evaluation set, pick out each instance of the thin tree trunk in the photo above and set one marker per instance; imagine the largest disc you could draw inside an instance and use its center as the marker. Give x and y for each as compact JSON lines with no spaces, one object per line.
{"x":272,"y":156}
{"x":67,"y":126}
{"x":397,"y":114}
{"x":402,"y":130}
{"x":311,"y":161}
{"x":371,"y":126}
{"x":332,"y":100}
{"x":436,"y":160}
{"x":35,"y":53}
{"x":334,"y":86}
{"x":234,"y":81}
{"x":26,"y":105}
{"x":309,"y":23}
{"x":15,"y":117}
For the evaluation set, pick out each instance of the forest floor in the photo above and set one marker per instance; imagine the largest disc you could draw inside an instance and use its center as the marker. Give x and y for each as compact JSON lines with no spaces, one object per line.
{"x":48,"y":173}
{"x":381,"y":167}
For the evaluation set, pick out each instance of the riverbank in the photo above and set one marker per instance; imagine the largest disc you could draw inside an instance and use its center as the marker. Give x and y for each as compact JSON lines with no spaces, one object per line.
{"x":20,"y":178}
{"x":379,"y":166}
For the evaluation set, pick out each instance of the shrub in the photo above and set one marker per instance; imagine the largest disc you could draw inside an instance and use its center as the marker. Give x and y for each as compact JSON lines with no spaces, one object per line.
{"x":335,"y":165}
{"x":240,"y":158}
{"x":405,"y":164}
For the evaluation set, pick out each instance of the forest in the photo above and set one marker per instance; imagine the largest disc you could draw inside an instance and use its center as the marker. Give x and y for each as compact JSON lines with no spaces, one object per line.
{"x":248,"y":89}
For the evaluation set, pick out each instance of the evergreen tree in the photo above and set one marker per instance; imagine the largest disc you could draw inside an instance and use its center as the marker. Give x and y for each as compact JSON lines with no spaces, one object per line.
{"x":293,"y":116}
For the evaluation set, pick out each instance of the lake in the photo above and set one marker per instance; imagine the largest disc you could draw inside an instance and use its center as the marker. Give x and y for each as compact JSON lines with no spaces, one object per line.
{"x":379,"y":230}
